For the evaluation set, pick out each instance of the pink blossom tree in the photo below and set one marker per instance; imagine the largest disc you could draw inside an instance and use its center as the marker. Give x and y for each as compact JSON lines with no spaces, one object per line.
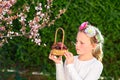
{"x":40,"y":20}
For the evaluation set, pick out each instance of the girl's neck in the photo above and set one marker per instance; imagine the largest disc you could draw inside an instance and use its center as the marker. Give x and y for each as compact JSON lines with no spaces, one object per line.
{"x":85,"y":57}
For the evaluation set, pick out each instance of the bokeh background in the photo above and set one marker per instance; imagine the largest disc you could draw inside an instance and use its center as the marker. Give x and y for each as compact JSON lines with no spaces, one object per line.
{"x":21,"y":54}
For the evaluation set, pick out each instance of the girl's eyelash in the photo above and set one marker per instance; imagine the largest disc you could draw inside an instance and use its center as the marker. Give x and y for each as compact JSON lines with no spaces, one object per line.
{"x":82,"y":43}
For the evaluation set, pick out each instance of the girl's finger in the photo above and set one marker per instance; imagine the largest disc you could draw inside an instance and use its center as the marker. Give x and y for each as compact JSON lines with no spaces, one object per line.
{"x":68,"y":54}
{"x":65,"y":55}
{"x":49,"y":56}
{"x":71,"y":54}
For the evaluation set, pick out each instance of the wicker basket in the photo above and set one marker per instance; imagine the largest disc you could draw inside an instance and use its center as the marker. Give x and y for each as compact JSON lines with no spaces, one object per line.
{"x":59,"y":52}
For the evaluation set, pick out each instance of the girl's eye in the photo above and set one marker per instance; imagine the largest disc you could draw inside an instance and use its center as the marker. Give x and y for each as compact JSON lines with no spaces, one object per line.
{"x":76,"y":41}
{"x":81,"y":42}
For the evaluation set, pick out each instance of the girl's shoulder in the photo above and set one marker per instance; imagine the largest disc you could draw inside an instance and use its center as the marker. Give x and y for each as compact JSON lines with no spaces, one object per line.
{"x":97,"y":63}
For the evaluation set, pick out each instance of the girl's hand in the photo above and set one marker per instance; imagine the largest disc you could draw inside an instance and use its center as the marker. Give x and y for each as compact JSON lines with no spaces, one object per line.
{"x":56,"y":59}
{"x":69,"y":57}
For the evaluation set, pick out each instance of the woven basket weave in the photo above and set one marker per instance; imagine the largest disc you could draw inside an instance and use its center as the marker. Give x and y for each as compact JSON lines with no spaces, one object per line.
{"x":59,"y":52}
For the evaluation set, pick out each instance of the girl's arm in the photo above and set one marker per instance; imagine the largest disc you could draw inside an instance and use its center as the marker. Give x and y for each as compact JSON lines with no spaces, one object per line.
{"x":60,"y":72}
{"x":93,"y":74}
{"x":59,"y":66}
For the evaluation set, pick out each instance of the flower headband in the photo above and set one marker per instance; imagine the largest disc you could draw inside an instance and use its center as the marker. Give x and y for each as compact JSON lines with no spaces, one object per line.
{"x":91,"y":31}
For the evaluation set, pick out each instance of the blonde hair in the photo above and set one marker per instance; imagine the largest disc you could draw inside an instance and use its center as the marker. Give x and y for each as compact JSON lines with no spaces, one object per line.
{"x":98,"y":52}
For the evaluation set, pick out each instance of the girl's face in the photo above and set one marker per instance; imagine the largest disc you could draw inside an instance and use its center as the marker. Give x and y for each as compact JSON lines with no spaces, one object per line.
{"x":83,"y":44}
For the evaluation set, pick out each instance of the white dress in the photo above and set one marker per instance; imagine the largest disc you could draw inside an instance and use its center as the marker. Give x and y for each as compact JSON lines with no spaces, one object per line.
{"x":79,"y":70}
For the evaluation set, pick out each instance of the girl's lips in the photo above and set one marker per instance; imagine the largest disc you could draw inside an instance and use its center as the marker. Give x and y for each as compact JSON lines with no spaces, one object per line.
{"x":77,"y":49}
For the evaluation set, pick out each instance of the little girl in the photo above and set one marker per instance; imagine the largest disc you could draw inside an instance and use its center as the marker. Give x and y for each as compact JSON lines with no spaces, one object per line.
{"x":87,"y":64}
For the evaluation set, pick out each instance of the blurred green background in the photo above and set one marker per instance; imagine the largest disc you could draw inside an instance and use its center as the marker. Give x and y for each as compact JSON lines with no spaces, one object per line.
{"x":22,"y":54}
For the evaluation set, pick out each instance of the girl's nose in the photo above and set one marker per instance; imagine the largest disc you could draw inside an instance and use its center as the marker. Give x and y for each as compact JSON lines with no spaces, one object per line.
{"x":76,"y":45}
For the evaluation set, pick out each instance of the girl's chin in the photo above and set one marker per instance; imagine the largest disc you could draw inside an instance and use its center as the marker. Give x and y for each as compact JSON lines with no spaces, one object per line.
{"x":79,"y":53}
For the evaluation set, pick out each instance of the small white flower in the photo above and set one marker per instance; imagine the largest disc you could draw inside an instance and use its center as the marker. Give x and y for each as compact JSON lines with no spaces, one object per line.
{"x":38,"y":44}
{"x":10,"y":22}
{"x":42,"y":15}
{"x":40,"y":4}
{"x":90,"y":31}
{"x":48,"y":7}
{"x":36,"y":8}
{"x":32,"y":40}
{"x":40,"y":8}
{"x":10,"y":37}
{"x":45,"y":45}
{"x":11,"y":32}
{"x":38,"y":13}
{"x":16,"y":33}
{"x":27,"y":8}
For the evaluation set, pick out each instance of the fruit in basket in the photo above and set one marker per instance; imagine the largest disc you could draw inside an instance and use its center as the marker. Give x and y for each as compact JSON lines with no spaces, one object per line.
{"x":58,"y":49}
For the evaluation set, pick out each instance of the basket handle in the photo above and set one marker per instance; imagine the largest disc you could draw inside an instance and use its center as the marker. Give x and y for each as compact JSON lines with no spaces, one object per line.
{"x":62,"y":36}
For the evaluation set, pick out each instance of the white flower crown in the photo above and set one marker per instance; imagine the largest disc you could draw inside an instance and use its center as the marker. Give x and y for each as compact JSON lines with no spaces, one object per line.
{"x":91,"y":31}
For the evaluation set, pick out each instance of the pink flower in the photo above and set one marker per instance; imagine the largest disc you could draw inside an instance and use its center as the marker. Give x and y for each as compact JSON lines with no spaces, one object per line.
{"x":2,"y":28}
{"x":83,"y":26}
